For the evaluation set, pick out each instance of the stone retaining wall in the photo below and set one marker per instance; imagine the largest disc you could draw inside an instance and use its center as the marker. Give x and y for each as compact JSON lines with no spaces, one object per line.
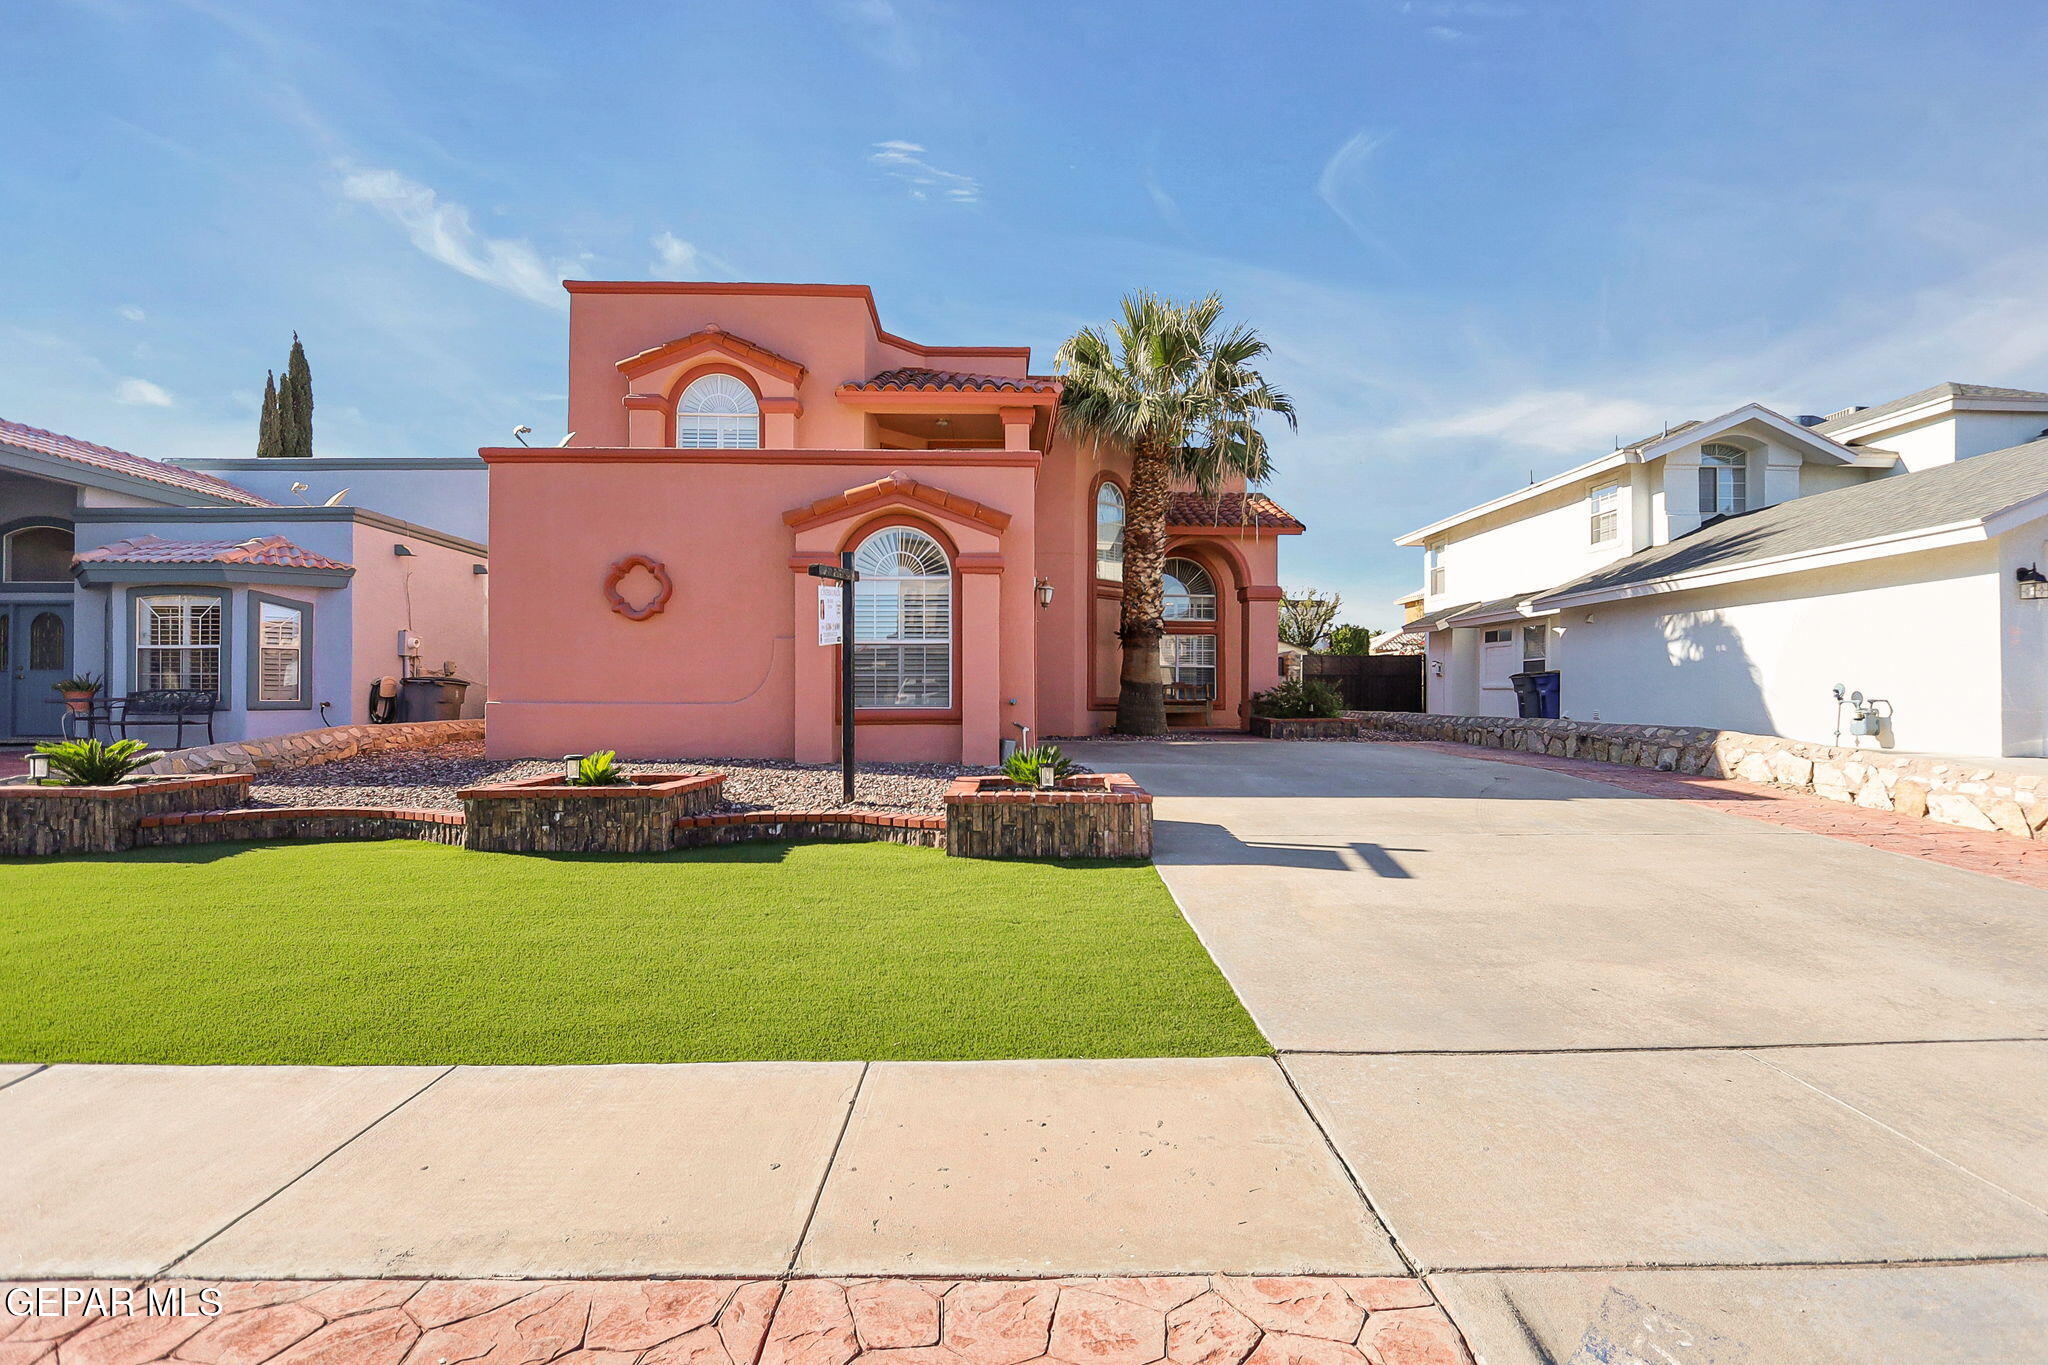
{"x":1971,"y":793}
{"x":738,"y":827}
{"x":305,"y":747}
{"x":38,"y":820}
{"x":300,"y":822}
{"x":1308,"y":727}
{"x":1096,"y":815}
{"x":546,"y":815}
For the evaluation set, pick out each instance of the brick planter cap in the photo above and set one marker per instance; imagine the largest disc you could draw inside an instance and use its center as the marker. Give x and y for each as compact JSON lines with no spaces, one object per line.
{"x":639,"y":784}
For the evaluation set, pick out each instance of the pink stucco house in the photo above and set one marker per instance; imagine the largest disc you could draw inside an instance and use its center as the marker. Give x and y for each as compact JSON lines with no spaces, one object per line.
{"x":650,"y":591}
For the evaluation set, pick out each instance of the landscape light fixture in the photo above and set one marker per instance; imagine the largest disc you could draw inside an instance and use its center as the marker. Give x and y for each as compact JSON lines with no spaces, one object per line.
{"x":38,"y":767}
{"x":572,"y":764}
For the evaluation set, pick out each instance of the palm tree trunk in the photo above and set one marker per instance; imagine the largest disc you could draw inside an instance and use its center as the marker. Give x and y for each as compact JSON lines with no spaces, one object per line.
{"x":1141,"y":699}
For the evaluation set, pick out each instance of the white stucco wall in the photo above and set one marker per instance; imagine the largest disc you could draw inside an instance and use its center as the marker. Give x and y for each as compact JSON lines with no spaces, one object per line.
{"x":1921,"y":630}
{"x":1955,"y":436}
{"x":2024,"y":638}
{"x":448,"y":494}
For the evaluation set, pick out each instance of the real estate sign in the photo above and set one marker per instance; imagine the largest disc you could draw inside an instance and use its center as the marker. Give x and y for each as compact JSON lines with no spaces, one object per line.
{"x":829,"y":610}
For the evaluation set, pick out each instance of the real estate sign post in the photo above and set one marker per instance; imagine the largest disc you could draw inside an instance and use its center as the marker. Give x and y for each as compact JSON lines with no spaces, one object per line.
{"x":839,"y":585}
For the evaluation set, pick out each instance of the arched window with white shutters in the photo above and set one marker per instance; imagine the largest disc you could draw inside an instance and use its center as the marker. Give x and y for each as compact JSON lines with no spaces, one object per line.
{"x":903,"y":622}
{"x":718,"y":412}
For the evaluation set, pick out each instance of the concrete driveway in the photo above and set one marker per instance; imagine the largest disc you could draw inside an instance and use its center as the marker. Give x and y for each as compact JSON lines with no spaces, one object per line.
{"x":1626,"y":1076}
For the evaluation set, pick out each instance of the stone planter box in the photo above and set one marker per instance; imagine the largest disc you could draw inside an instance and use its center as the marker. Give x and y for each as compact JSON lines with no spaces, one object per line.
{"x":1305,"y":727}
{"x":1097,"y":815}
{"x":43,"y":820}
{"x":546,"y":815}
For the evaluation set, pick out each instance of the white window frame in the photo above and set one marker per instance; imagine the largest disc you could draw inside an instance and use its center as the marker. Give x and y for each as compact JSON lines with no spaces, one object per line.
{"x":1603,"y":513}
{"x":1189,"y":657}
{"x":1433,"y":561}
{"x":262,"y":651}
{"x":1536,"y":635}
{"x":189,"y":641}
{"x":1496,"y":635}
{"x":1196,"y":600}
{"x":7,"y":550}
{"x":887,"y":626}
{"x":1109,"y":551}
{"x":718,"y":412}
{"x":1724,"y":480}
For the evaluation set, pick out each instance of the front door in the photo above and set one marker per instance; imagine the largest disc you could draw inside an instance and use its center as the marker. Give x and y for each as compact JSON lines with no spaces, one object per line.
{"x":35,"y":653}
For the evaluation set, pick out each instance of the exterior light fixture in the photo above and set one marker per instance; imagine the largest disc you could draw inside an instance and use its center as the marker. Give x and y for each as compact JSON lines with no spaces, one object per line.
{"x":38,"y":768}
{"x":571,"y":764}
{"x":1045,"y":592}
{"x":479,"y":569}
{"x":402,"y":551}
{"x":1047,"y":778}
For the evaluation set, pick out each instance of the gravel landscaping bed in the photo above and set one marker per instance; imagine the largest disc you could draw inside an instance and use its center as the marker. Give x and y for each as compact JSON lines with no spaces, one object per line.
{"x":427,"y":779}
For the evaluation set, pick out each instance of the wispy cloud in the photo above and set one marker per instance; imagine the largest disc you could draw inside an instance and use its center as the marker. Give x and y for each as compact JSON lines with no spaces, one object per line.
{"x":878,"y":29}
{"x":905,"y":161}
{"x":1444,"y":33}
{"x":443,"y":231}
{"x":1341,"y":185}
{"x":676,"y":259}
{"x":140,"y":393}
{"x":132,"y":313}
{"x":1166,"y":204}
{"x":1553,"y":421}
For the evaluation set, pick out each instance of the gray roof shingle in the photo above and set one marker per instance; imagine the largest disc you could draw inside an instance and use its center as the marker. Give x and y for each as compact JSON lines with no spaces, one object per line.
{"x":1911,"y":400}
{"x":1964,"y":491}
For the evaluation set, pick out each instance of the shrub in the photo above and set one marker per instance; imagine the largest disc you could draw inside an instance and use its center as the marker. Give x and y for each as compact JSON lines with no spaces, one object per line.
{"x":600,"y":769}
{"x":1025,"y":765}
{"x":92,"y":762}
{"x":1306,"y":699}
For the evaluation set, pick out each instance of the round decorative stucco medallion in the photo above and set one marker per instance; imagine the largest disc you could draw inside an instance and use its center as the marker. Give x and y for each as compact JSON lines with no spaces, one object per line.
{"x":651,"y":603}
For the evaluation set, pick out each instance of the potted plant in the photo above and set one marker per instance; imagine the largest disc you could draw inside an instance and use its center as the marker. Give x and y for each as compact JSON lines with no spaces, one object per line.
{"x":78,"y":691}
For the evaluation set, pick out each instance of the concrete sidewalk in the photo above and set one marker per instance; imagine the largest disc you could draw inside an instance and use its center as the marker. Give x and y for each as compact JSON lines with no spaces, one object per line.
{"x":749,"y":1169}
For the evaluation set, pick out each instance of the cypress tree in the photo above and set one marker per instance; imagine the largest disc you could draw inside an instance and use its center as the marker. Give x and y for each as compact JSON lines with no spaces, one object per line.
{"x":298,"y":382}
{"x":266,"y":425}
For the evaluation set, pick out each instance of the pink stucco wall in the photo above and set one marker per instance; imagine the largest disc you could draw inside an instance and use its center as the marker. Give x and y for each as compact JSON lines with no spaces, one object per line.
{"x":433,"y":588}
{"x":731,"y":666}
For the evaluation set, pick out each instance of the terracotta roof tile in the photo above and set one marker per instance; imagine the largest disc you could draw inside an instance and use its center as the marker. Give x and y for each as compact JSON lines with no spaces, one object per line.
{"x":1255,"y":511}
{"x":273,"y":552}
{"x":121,"y":462}
{"x":914,"y":377}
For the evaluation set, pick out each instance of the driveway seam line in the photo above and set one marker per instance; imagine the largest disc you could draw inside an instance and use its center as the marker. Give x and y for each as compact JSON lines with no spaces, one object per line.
{"x":203,"y":1242}
{"x":1903,"y":1137}
{"x":1624,"y":1267}
{"x":40,"y":1068}
{"x":1647,"y":1047}
{"x":803,"y":1234}
{"x":1393,"y":1239}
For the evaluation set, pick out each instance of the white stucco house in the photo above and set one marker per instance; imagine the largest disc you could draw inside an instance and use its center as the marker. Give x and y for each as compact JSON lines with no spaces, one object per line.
{"x":164,"y":577}
{"x":1731,"y":573}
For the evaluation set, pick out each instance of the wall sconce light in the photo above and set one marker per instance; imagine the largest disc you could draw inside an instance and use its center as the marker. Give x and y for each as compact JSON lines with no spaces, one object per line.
{"x":38,"y":768}
{"x":402,"y":551}
{"x":1045,"y":592}
{"x":571,"y":764}
{"x":479,"y":569}
{"x":1436,"y":668}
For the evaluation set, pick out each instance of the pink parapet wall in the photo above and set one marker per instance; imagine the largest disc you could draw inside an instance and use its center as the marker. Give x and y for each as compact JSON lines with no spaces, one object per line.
{"x":843,"y":431}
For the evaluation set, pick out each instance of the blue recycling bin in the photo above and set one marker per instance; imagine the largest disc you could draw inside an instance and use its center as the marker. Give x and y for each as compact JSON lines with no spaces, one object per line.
{"x":1536,"y":695}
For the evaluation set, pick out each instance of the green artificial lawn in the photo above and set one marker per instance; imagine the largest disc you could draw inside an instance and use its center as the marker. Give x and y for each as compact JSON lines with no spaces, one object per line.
{"x":416,"y":952}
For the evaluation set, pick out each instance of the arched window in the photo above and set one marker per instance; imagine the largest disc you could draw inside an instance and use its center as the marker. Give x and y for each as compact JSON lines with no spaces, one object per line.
{"x":1109,"y":532}
{"x":718,"y":412}
{"x":1190,"y":592}
{"x":36,"y":554}
{"x":903,"y":622}
{"x":1724,"y":480}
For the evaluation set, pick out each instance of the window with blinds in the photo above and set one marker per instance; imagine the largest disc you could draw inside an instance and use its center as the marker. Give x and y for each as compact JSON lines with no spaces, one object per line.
{"x":280,"y":651}
{"x":1189,"y":662}
{"x":902,"y":622}
{"x":177,"y":643}
{"x":1603,"y":506}
{"x":1109,"y":533}
{"x":718,"y":412}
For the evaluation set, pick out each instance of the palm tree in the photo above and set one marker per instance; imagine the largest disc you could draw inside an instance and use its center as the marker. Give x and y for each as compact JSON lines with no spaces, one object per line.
{"x":1168,"y":382}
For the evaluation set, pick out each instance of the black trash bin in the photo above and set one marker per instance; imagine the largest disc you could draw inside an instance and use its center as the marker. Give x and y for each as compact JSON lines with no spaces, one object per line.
{"x":431,"y":698}
{"x":1536,"y":695}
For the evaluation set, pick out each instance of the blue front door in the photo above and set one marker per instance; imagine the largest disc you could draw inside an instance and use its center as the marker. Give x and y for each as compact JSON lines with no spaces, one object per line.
{"x":35,"y":652}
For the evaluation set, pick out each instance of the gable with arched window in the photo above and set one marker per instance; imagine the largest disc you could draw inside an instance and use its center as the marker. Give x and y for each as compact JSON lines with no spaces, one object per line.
{"x":903,"y":622}
{"x":718,"y":412}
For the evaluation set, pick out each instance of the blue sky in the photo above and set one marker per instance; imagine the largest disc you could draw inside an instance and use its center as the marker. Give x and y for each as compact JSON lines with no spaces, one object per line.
{"x":1486,"y":237}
